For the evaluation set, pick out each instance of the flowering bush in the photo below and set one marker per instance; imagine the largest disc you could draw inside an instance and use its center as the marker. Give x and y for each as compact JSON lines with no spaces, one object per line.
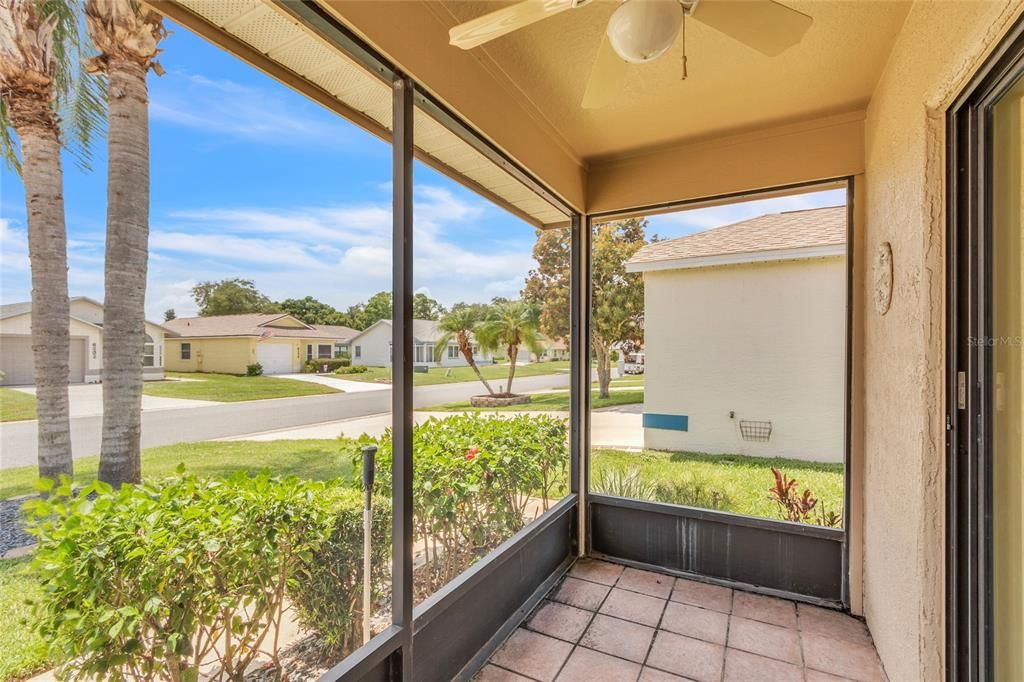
{"x":157,"y":580}
{"x":474,"y":478}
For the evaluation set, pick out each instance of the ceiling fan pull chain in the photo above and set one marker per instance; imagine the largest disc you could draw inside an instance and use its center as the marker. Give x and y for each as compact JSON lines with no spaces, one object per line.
{"x":683,"y":31}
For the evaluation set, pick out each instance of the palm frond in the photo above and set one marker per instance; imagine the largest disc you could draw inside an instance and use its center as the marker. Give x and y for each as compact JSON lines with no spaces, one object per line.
{"x":8,"y":148}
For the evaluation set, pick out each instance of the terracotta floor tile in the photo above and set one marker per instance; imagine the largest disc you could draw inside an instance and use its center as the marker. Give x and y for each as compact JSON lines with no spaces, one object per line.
{"x":618,"y":638}
{"x":586,"y":665}
{"x":692,"y":658}
{"x":765,"y":609}
{"x":581,"y":593}
{"x":845,"y":659}
{"x":653,"y":675}
{"x":693,"y":621}
{"x":596,"y":571}
{"x":492,"y":673}
{"x":829,"y":623}
{"x":646,"y":582}
{"x":709,"y":596}
{"x":818,"y":676}
{"x":741,"y":666}
{"x":639,"y":608}
{"x":560,"y":620}
{"x":764,"y":639}
{"x":532,"y":654}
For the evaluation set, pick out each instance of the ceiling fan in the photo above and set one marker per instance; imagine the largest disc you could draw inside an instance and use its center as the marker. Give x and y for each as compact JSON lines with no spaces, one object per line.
{"x":640,"y":31}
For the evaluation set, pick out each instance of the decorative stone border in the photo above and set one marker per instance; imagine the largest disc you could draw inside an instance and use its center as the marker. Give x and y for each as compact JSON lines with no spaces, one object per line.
{"x":498,"y":400}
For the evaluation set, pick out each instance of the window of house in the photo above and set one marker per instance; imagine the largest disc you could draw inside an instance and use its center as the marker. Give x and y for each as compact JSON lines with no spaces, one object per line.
{"x":148,"y":348}
{"x":340,"y":349}
{"x":323,"y":351}
{"x":419,"y":352}
{"x":453,"y":352}
{"x":309,"y":351}
{"x":359,"y":351}
{"x":428,"y":353}
{"x":186,"y":351}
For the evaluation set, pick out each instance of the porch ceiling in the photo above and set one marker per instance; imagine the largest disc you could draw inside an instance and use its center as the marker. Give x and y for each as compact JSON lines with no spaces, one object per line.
{"x":730,"y":87}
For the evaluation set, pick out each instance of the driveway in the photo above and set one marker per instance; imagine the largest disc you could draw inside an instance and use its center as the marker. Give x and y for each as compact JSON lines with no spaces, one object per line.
{"x":86,"y":400}
{"x":334,"y":382}
{"x":222,"y":420}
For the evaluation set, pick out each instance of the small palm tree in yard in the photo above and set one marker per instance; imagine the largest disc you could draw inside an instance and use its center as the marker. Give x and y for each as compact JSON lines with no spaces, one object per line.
{"x":41,"y":85}
{"x":460,"y":324}
{"x":509,"y":325}
{"x":126,"y":34}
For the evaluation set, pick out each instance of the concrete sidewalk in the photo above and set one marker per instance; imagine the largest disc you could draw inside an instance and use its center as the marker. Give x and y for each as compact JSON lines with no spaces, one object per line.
{"x":336,"y":382}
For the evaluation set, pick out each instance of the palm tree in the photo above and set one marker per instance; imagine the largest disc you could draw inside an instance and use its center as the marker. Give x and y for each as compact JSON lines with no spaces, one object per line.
{"x":459,"y":324}
{"x":511,"y":324}
{"x":126,"y":35}
{"x":41,"y":85}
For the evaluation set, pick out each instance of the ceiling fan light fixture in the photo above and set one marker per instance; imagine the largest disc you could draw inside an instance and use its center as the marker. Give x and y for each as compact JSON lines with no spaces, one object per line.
{"x":643,"y":30}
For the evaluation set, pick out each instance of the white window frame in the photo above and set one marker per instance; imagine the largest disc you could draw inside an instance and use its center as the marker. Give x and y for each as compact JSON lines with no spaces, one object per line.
{"x":359,"y":352}
{"x":149,"y":358}
{"x":320,"y":351}
{"x":186,"y":351}
{"x":453,"y":351}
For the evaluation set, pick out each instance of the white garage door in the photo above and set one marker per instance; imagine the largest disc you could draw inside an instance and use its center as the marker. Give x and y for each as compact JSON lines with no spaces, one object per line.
{"x":276,"y":358}
{"x":16,"y":360}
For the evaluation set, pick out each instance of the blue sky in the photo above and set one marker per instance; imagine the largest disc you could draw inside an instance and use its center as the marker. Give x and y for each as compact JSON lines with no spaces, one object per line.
{"x":249,"y":179}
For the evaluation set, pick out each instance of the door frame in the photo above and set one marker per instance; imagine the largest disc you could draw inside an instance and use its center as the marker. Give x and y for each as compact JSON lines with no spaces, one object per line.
{"x":969,"y":650}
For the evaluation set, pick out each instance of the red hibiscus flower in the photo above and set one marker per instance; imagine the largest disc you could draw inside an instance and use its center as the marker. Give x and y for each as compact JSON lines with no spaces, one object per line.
{"x":471,"y":454}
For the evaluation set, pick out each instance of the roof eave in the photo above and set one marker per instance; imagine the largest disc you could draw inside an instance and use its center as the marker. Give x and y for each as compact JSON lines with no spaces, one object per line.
{"x":766,"y":256}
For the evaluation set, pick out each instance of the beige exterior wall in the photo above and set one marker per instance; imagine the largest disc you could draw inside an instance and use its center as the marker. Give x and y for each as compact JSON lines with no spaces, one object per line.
{"x":221,"y":356}
{"x":940,"y":47}
{"x":765,"y":341}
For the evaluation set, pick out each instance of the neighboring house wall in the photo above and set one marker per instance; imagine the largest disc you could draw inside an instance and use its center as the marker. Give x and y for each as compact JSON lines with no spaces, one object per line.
{"x":86,"y":349}
{"x":371,"y":348}
{"x":765,"y":342}
{"x":901,"y":490}
{"x":229,"y":355}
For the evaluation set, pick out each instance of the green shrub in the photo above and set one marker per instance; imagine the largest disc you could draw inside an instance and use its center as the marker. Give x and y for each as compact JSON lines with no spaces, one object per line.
{"x":139,"y":583}
{"x":325,"y":365}
{"x":254,"y":370}
{"x":357,"y":369}
{"x":473,"y":479}
{"x":328,"y":590}
{"x":630,"y":483}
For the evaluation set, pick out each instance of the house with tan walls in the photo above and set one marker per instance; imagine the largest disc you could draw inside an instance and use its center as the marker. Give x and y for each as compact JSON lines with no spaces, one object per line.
{"x":86,"y":352}
{"x":228,"y":344}
{"x":745,"y":337}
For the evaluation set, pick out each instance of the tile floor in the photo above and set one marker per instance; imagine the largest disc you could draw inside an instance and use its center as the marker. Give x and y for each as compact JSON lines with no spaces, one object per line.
{"x":605,"y":623}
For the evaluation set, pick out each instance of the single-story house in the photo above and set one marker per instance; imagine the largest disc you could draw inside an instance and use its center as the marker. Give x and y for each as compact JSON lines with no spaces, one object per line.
{"x":554,"y":349}
{"x":372,"y":346}
{"x":228,"y":344}
{"x":745,"y":333}
{"x":86,"y":353}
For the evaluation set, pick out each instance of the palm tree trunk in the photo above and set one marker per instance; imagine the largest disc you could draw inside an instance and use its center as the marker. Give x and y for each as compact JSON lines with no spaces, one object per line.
{"x":513,"y":353}
{"x":467,"y":352}
{"x":36,"y":127}
{"x":125,"y":272}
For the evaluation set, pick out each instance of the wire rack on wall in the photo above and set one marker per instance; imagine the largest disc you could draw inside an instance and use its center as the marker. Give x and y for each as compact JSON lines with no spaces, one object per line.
{"x":755,"y":431}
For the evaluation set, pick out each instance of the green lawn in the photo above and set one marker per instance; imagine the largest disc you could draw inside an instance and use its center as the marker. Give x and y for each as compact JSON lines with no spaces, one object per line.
{"x":313,"y":459}
{"x":15,"y":405}
{"x":741,"y":483}
{"x":228,"y":388}
{"x":452,"y":375}
{"x":554,"y":402}
{"x":22,"y":651}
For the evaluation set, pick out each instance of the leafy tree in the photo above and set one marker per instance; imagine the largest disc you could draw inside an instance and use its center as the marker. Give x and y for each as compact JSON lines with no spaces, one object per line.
{"x":231,"y":297}
{"x":617,"y":313}
{"x":459,"y":324}
{"x":426,"y":308}
{"x":312,"y":311}
{"x":45,"y":97}
{"x":378,"y":307}
{"x":169,"y":315}
{"x":509,"y":326}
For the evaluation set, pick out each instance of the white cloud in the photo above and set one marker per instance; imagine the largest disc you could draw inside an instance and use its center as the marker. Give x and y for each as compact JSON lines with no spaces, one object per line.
{"x":13,"y":248}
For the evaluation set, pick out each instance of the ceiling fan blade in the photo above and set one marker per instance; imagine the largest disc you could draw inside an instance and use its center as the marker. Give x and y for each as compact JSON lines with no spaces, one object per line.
{"x":606,"y":77}
{"x":469,"y":34}
{"x":767,"y":26}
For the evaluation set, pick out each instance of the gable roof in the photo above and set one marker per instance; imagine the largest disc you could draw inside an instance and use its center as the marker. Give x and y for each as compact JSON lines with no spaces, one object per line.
{"x":339,"y":332}
{"x":424,"y":331}
{"x":246,"y":324}
{"x":22,"y":307}
{"x":775,"y":236}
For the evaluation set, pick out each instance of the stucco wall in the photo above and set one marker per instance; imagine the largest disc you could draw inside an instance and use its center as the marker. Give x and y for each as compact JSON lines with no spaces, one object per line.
{"x":940,"y":46}
{"x":226,"y":356}
{"x":763,"y":341}
{"x":373,"y":346}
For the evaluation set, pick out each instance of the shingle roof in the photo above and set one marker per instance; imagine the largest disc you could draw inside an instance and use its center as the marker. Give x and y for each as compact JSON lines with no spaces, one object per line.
{"x":337,"y":331}
{"x":774,"y":231}
{"x":249,"y":324}
{"x":422,"y":330}
{"x":12,"y":309}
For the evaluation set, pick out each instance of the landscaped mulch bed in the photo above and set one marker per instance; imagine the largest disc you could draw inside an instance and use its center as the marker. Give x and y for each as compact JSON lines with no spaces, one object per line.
{"x":12,"y":525}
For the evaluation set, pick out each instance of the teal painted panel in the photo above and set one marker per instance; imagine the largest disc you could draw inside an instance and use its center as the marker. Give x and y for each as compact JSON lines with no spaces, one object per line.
{"x":671,"y":422}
